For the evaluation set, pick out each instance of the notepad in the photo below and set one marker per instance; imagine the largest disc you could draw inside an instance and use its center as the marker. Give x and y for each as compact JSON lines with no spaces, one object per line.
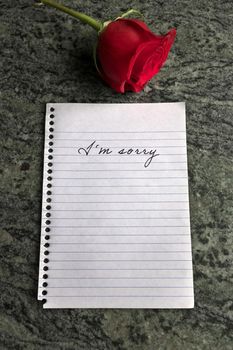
{"x":115,"y":230}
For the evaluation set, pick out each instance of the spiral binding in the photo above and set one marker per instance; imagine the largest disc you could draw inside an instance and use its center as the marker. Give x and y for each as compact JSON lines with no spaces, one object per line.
{"x":48,"y":206}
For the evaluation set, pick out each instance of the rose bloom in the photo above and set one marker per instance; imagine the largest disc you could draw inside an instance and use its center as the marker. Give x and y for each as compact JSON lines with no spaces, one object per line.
{"x":129,"y":54}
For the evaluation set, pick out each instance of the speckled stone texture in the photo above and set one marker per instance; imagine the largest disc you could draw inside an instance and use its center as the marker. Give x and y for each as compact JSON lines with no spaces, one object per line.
{"x":47,"y":57}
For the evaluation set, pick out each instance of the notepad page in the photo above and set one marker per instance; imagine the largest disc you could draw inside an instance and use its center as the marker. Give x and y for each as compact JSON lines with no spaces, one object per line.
{"x":115,"y":214}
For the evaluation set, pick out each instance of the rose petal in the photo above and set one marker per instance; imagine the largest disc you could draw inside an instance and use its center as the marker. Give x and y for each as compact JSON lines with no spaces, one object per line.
{"x":116,"y":46}
{"x":149,"y":58}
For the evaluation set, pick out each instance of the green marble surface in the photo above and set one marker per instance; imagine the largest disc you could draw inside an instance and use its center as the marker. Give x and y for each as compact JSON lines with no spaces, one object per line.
{"x":47,"y":57}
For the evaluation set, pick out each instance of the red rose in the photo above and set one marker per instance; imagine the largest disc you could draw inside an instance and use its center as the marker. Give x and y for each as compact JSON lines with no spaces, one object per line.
{"x":129,"y":54}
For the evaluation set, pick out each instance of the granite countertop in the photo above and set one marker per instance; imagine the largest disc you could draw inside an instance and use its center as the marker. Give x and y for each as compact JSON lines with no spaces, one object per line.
{"x":47,"y":57}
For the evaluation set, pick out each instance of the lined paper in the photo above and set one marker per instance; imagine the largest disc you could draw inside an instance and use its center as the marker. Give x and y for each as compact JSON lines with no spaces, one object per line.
{"x":119,"y":225}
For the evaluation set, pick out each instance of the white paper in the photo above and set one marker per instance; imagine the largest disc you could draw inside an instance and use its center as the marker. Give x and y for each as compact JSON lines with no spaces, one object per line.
{"x":119,"y":225}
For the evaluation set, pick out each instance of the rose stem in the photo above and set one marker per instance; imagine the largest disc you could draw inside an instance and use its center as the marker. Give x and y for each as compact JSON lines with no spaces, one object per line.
{"x":81,"y":16}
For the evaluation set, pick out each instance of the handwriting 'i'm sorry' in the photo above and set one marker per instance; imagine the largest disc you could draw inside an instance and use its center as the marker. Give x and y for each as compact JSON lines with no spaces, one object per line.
{"x":94,"y":148}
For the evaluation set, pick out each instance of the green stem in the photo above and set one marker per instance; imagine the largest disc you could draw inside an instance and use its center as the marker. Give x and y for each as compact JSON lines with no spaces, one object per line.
{"x":81,"y":16}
